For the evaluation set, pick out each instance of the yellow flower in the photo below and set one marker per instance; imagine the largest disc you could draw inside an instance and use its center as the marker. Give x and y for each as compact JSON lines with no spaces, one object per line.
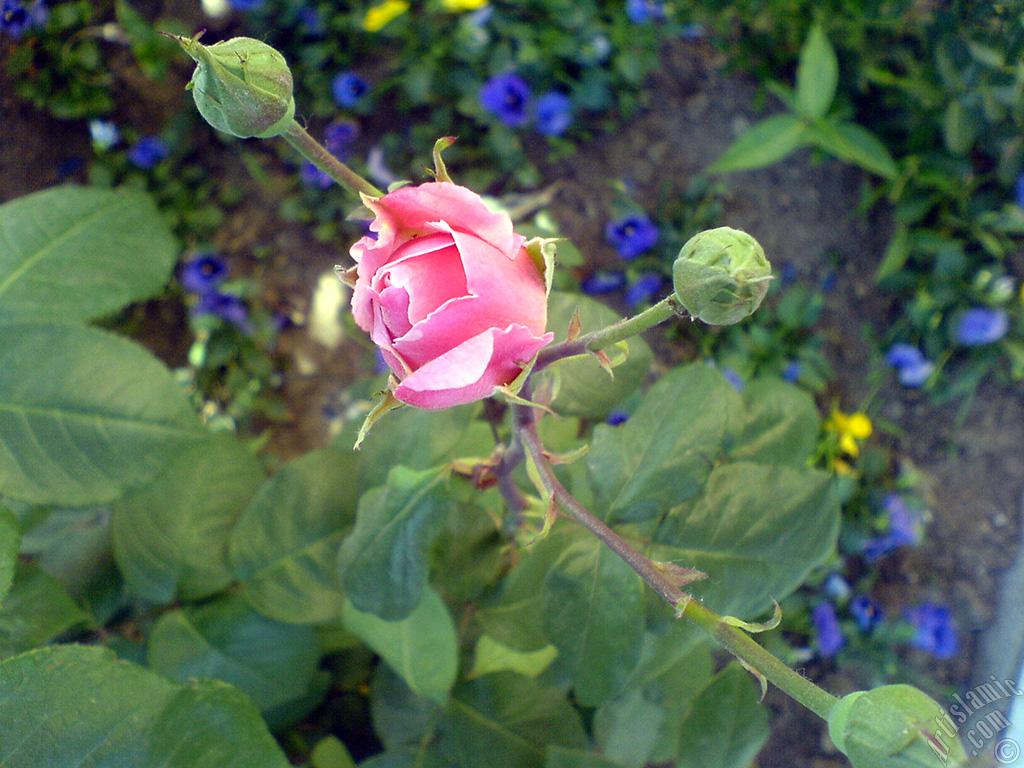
{"x":382,"y":14}
{"x":851,"y":429}
{"x":458,"y":6}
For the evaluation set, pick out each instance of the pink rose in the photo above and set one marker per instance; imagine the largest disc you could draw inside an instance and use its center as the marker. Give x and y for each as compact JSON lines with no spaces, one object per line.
{"x":448,"y":293}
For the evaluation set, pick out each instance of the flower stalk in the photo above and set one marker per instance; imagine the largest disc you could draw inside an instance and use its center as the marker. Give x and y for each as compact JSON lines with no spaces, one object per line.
{"x":317,"y":154}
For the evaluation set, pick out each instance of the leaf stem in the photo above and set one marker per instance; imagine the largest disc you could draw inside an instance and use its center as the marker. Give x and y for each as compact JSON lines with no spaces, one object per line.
{"x":613,"y":334}
{"x":317,"y":154}
{"x":732,"y":638}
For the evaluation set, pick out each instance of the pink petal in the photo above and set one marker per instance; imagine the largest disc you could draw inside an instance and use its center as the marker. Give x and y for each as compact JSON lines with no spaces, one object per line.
{"x":430,"y":270}
{"x":472,"y":370}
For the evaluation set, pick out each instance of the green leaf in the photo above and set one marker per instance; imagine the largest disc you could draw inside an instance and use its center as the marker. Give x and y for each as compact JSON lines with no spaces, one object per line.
{"x":383,"y":562}
{"x":853,"y":144}
{"x":664,"y":453}
{"x":330,"y":752}
{"x":726,"y":725}
{"x":492,"y":656}
{"x":37,"y":610}
{"x":74,"y":706}
{"x":757,"y":530}
{"x":171,"y":537}
{"x":817,"y":75}
{"x":401,"y":719}
{"x":72,"y":253}
{"x":9,"y":538}
{"x":559,"y":757}
{"x":284,"y":547}
{"x":582,"y":386}
{"x":422,"y":648}
{"x":763,"y":144}
{"x":594,"y":614}
{"x":896,"y":255}
{"x":271,"y":662}
{"x":781,"y":425}
{"x":506,"y":721}
{"x":84,"y":414}
{"x":958,"y":128}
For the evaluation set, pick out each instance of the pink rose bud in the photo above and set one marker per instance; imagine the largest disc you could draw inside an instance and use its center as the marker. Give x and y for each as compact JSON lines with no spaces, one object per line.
{"x":449,"y":294}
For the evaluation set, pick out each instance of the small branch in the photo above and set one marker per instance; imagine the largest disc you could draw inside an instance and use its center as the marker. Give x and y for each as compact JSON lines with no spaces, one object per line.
{"x":310,"y":149}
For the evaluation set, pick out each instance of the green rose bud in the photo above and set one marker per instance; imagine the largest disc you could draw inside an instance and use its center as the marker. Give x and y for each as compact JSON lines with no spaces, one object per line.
{"x":895,"y":726}
{"x":241,"y":86}
{"x":721,"y":276}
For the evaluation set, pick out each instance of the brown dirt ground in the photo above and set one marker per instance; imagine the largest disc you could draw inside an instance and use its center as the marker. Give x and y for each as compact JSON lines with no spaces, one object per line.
{"x":798,"y":209}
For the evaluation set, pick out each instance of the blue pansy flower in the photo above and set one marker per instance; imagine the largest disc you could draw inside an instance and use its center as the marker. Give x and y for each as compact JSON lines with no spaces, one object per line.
{"x":733,"y":377}
{"x":1020,"y":190}
{"x":912,"y":367}
{"x":225,"y":306}
{"x":982,"y":325}
{"x":827,"y":632}
{"x":203,"y":273}
{"x":552,"y":113}
{"x":507,"y":96}
{"x":148,"y":151}
{"x":104,"y":134}
{"x":866,"y":612}
{"x":632,"y":234}
{"x":313,"y":176}
{"x":348,"y":89}
{"x":904,"y":528}
{"x":338,"y":138}
{"x":617,"y":417}
{"x":836,"y":587}
{"x":644,"y":288}
{"x":935,"y":631}
{"x":643,"y":11}
{"x":603,"y":281}
{"x":791,"y":372}
{"x":17,"y":18}
{"x":245,"y":5}
{"x":311,"y":19}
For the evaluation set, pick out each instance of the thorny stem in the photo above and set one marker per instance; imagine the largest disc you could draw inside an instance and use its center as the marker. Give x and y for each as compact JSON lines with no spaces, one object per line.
{"x":606,"y":337}
{"x":310,"y":149}
{"x":732,"y":638}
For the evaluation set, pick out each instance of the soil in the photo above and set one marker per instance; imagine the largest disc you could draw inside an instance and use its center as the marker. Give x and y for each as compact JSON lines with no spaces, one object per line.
{"x":798,"y":209}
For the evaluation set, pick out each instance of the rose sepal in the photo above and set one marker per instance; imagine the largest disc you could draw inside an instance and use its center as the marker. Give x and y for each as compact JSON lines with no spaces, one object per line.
{"x":387,"y":402}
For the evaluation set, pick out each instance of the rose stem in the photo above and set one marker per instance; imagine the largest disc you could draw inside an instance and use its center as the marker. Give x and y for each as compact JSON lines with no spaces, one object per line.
{"x":605,"y":337}
{"x":310,"y":149}
{"x":732,"y":638}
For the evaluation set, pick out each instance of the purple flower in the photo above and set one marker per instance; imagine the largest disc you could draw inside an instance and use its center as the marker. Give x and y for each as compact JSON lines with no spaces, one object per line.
{"x":826,"y":630}
{"x":642,"y":11}
{"x":787,"y":273}
{"x":733,"y":378}
{"x":348,"y":88}
{"x":617,"y":417}
{"x":311,"y":19}
{"x":632,"y":235}
{"x":313,"y":176}
{"x":17,"y":18}
{"x":912,"y":368}
{"x":791,"y":372}
{"x":601,"y":282}
{"x":245,"y":5}
{"x":644,"y":288}
{"x":148,"y":151}
{"x":982,"y":325}
{"x":936,"y":632}
{"x":866,"y":612}
{"x":836,"y":587}
{"x":338,"y":137}
{"x":507,"y":96}
{"x":202,"y":273}
{"x":1020,"y":190}
{"x":904,"y":528}
{"x":226,"y":307}
{"x":553,"y":113}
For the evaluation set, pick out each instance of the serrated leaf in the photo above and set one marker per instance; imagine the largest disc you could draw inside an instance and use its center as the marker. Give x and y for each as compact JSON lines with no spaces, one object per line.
{"x":284,"y":547}
{"x":9,"y":538}
{"x":583,"y":388}
{"x":271,"y":662}
{"x":726,"y":726}
{"x":171,"y":537}
{"x":664,"y":453}
{"x":78,"y":707}
{"x":854,"y":144}
{"x":594,"y":615}
{"x":506,"y":721}
{"x":781,"y":425}
{"x":762,"y":144}
{"x":37,"y":610}
{"x":817,"y":75}
{"x":757,"y":530}
{"x":79,"y":253}
{"x":84,"y":415}
{"x":422,"y":648}
{"x":383,"y":562}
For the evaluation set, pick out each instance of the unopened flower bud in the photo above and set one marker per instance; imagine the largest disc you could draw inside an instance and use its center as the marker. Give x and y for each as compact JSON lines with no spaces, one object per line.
{"x":721,"y":276}
{"x":241,"y":86}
